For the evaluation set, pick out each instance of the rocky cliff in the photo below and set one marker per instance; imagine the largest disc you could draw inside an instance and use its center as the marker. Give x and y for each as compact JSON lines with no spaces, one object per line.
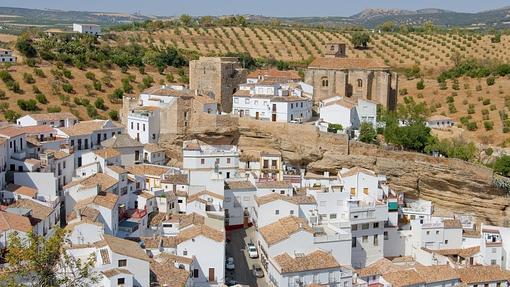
{"x":453,"y":185}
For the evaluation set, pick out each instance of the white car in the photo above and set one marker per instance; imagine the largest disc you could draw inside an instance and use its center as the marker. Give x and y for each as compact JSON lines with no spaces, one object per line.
{"x":252,"y":250}
{"x":229,"y":264}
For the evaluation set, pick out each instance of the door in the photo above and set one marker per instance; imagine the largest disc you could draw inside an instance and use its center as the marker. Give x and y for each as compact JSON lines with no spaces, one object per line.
{"x":257,"y":115}
{"x":211,"y":275}
{"x":273,"y":118}
{"x":241,"y":113}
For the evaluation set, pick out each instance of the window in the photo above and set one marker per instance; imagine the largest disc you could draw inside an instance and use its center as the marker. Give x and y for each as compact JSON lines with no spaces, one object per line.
{"x":195,"y":273}
{"x":353,"y":191}
{"x":364,"y":239}
{"x":122,"y":263}
{"x":360,"y":83}
{"x":236,"y":100}
{"x":494,"y":262}
{"x":185,"y":253}
{"x":446,"y":241}
{"x":132,"y":125}
{"x":137,"y":126}
{"x":354,"y":227}
{"x":247,"y":101}
{"x":365,"y":226}
{"x":428,"y":232}
{"x":332,"y":216}
{"x":386,"y":235}
{"x":376,"y":225}
{"x":121,"y":281}
{"x":376,"y":240}
{"x":325,"y":82}
{"x":282,"y":192}
{"x":292,"y":212}
{"x":202,"y":161}
{"x":277,"y":212}
{"x":365,"y":190}
{"x":143,"y":127}
{"x":493,"y":250}
{"x":353,"y":242}
{"x":228,"y":160}
{"x":291,"y":105}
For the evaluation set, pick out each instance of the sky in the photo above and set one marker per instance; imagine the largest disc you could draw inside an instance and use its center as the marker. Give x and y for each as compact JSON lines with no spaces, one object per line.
{"x":281,"y":8}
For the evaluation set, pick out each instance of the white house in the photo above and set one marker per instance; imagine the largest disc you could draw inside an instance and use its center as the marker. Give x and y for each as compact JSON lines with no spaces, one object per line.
{"x":348,"y":113}
{"x":131,"y":151}
{"x":56,"y":120}
{"x":440,"y":122}
{"x":91,"y":29}
{"x":12,"y":222}
{"x":154,"y":154}
{"x":143,"y":124}
{"x":6,"y":56}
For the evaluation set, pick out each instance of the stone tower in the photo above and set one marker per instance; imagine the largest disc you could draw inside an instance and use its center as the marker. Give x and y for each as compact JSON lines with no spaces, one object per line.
{"x":335,"y":50}
{"x":218,"y":77}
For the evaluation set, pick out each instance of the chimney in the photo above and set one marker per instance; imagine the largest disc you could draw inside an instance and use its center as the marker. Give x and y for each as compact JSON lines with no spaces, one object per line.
{"x":78,"y":214}
{"x":326,"y":174}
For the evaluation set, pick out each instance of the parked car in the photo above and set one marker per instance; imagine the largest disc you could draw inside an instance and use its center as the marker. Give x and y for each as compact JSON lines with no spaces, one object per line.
{"x":229,"y":264}
{"x":257,"y":271}
{"x":252,"y":250}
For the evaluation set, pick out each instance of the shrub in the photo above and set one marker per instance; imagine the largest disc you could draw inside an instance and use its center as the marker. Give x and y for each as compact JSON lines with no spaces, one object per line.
{"x":367,"y":133}
{"x":472,"y":126}
{"x":489,"y":125}
{"x":456,"y":85}
{"x":91,"y":76}
{"x":27,"y":105}
{"x":68,"y":88}
{"x":91,"y":111}
{"x":39,"y":72}
{"x":450,"y":99}
{"x":11,"y":116}
{"x":478,"y":88}
{"x":443,"y":86}
{"x":14,"y":86}
{"x":28,"y":78}
{"x":491,"y":81}
{"x":502,"y":165}
{"x":99,"y":103}
{"x":114,"y":115}
{"x":420,"y":85}
{"x":126,"y":86}
{"x":2,"y":95}
{"x":486,"y":102}
{"x":67,"y":73}
{"x":25,"y":46}
{"x":4,"y":107}
{"x":53,"y":109}
{"x":147,"y":82}
{"x":403,"y":92}
{"x":97,"y":86}
{"x":334,"y":128}
{"x":489,"y":151}
{"x":41,"y":98}
{"x":451,"y":108}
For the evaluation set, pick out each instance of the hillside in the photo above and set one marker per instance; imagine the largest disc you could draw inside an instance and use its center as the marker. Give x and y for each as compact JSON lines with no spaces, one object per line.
{"x":473,"y":100}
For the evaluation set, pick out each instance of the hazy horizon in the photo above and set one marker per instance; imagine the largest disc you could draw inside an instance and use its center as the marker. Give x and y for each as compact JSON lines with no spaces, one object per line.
{"x":282,"y":8}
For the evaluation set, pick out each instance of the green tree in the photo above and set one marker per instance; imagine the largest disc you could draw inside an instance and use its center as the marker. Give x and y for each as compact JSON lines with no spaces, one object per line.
{"x":11,"y":116}
{"x":420,"y":85}
{"x":114,"y":115}
{"x":388,"y":26}
{"x":502,"y":165}
{"x":360,"y":39}
{"x":44,"y":262}
{"x":99,"y":103}
{"x":25,"y":46}
{"x":367,"y":133}
{"x":185,"y":20}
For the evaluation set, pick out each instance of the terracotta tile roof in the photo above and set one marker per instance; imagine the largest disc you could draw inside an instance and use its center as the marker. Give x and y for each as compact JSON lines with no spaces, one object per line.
{"x":115,"y":271}
{"x":481,"y":274}
{"x":175,"y":258}
{"x":11,"y":221}
{"x":437,"y":273}
{"x":184,"y":220}
{"x":146,"y":169}
{"x":239,"y":184}
{"x":52,"y":116}
{"x":123,"y":247}
{"x":452,"y":224}
{"x":199,"y":195}
{"x":106,"y":199}
{"x":283,"y":229}
{"x":356,"y":170}
{"x":10,"y":132}
{"x":103,"y":180}
{"x":159,"y":91}
{"x":23,"y":190}
{"x":275,"y":73}
{"x":288,"y":99}
{"x":117,"y":169}
{"x":87,"y":213}
{"x":181,"y":179}
{"x":58,"y":154}
{"x":439,"y":118}
{"x":85,"y":128}
{"x":347,"y":63}
{"x":403,"y":278}
{"x":166,"y":274}
{"x":41,"y":129}
{"x":376,"y":268}
{"x":243,"y":93}
{"x":300,"y":199}
{"x":313,"y":261}
{"x":462,"y":252}
{"x":273,"y":184}
{"x":107,"y":153}
{"x":153,"y":148}
{"x":342,"y":102}
{"x":146,"y":195}
{"x":204,"y":230}
{"x":121,"y":141}
{"x":39,"y":211}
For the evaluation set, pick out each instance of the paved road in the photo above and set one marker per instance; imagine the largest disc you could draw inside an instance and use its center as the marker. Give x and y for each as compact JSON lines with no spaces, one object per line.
{"x":237,"y":248}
